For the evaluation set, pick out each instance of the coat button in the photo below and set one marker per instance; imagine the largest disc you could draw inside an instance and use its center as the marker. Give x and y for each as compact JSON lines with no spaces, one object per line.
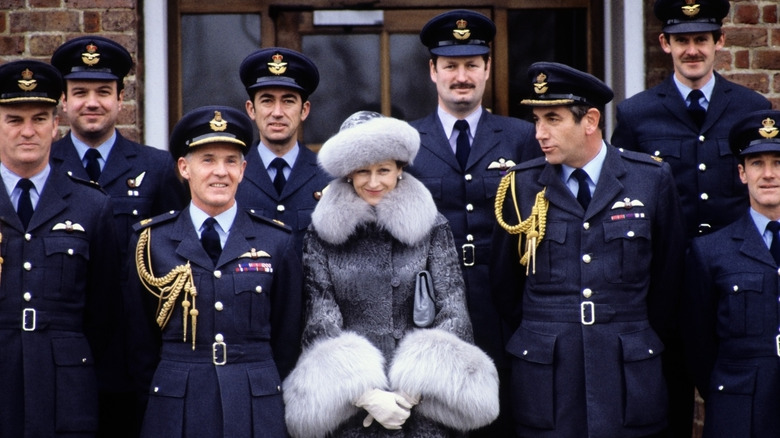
{"x":280,"y":208}
{"x":657,"y":153}
{"x":704,"y":196}
{"x":586,"y":258}
{"x":219,"y":306}
{"x":735,"y":288}
{"x":469,"y":207}
{"x":650,"y":351}
{"x":219,"y":338}
{"x":587,"y":292}
{"x":135,"y":212}
{"x":27,"y":236}
{"x":630,"y":234}
{"x":720,"y":388}
{"x":701,"y":138}
{"x":70,"y":251}
{"x":469,"y":237}
{"x":467,"y":177}
{"x":218,"y":274}
{"x":27,"y":296}
{"x":395,"y":282}
{"x":156,"y":389}
{"x":586,"y":226}
{"x":702,"y":167}
{"x":259,"y":289}
{"x":27,"y":266}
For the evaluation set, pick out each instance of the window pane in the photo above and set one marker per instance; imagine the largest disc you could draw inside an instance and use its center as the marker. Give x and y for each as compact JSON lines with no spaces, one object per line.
{"x":558,"y":35}
{"x":213,"y":47}
{"x":349,"y":81}
{"x":413,"y":94}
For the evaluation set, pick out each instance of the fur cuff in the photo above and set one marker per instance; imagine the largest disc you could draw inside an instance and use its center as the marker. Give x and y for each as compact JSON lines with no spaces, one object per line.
{"x":458,"y":382}
{"x":319,"y":394}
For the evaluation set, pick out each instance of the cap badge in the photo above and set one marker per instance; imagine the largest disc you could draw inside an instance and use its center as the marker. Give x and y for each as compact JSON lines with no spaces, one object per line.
{"x":217,"y":123}
{"x":90,"y":57}
{"x":27,"y":83}
{"x":461,"y":33}
{"x":540,"y":86}
{"x":769,"y":130}
{"x":277,"y":67}
{"x":691,"y":9}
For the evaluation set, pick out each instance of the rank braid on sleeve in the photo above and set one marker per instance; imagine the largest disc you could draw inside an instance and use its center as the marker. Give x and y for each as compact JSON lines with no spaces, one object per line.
{"x":167,"y":288}
{"x":532,"y":228}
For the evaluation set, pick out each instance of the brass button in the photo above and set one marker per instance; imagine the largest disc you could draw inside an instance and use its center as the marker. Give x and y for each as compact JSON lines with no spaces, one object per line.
{"x":218,"y":274}
{"x":587,"y":292}
{"x":586,"y":258}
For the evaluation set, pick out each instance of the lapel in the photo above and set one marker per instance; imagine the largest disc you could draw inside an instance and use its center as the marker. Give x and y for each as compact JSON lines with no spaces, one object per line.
{"x":719,"y":102}
{"x":257,"y":174}
{"x":7,"y":211}
{"x":608,"y":186}
{"x":670,"y":98}
{"x":304,"y":169}
{"x":485,"y":140}
{"x":189,"y":246}
{"x":53,"y":200}
{"x":557,"y":192}
{"x":64,"y":155}
{"x":237,"y":242}
{"x":118,"y":162}
{"x":753,"y":245}
{"x":433,"y":138}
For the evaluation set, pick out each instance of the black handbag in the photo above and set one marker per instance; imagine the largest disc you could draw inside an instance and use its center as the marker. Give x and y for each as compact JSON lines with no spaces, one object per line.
{"x":424,"y":307}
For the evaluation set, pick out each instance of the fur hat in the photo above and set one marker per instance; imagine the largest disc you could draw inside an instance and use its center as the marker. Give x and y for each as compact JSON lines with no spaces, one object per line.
{"x":373,"y":141}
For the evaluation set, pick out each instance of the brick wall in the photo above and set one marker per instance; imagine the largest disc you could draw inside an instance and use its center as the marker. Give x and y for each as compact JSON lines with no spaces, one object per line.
{"x":32,"y":29}
{"x":751,"y":56}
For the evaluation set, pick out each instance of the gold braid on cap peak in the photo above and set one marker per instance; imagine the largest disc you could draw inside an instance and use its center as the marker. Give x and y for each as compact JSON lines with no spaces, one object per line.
{"x":168,"y":288}
{"x":533,"y":227}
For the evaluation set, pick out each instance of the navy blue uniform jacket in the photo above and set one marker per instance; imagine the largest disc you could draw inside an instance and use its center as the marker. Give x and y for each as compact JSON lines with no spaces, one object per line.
{"x":656,"y":121}
{"x":619,"y":264}
{"x":732,"y":316}
{"x":61,"y":276}
{"x":466,"y":199}
{"x":253,"y":303}
{"x":298,"y":199}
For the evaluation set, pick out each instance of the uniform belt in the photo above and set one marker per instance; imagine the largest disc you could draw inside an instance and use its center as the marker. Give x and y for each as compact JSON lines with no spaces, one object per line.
{"x":586,"y":313}
{"x":766,"y":346}
{"x":31,"y":319}
{"x":218,"y":353}
{"x":471,"y":255}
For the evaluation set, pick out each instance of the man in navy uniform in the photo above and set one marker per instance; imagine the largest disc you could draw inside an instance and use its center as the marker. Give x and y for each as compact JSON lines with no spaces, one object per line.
{"x":600,"y":241}
{"x":58,"y":286}
{"x":141,"y":180}
{"x":691,"y":134}
{"x":282,"y":178}
{"x":465,"y":151}
{"x":731,"y":301}
{"x":221,"y":292}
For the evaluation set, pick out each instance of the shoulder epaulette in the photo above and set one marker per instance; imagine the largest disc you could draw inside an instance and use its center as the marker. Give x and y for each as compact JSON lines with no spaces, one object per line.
{"x":85,"y":182}
{"x":640,"y":157}
{"x":159,"y":219}
{"x":536,"y":162}
{"x":275,"y":222}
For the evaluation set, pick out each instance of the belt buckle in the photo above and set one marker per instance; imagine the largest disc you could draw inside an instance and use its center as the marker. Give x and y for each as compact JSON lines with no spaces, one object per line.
{"x":585,"y":308}
{"x":215,"y":355}
{"x":466,"y":248}
{"x":28,"y":320}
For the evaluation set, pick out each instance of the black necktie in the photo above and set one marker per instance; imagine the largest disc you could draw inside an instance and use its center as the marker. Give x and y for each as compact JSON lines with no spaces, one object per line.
{"x":697,"y":111}
{"x":774,"y":248}
{"x":209,"y":238}
{"x":583,"y":193}
{"x":25,"y":209}
{"x":279,"y":164}
{"x":93,"y":167}
{"x":463,"y":145}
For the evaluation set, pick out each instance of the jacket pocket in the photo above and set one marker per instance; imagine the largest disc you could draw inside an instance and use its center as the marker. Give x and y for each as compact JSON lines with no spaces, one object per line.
{"x":251,"y":308}
{"x":730,"y":403}
{"x":267,"y":403}
{"x":165,"y":410}
{"x":643,"y":381}
{"x":66,"y":264}
{"x":549,"y":266}
{"x":627,"y":242}
{"x":744,"y":302}
{"x":533,"y":378}
{"x":75,"y":385}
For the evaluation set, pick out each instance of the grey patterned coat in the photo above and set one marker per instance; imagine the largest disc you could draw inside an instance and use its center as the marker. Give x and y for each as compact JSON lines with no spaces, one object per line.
{"x":360,"y":264}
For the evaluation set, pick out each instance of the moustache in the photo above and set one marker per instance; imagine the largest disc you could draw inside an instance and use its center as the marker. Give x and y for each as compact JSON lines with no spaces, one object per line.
{"x":463,"y":85}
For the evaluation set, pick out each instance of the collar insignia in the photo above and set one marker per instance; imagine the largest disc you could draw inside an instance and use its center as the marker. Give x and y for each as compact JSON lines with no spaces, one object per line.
{"x":218,"y":124}
{"x":691,"y":9}
{"x":68,"y":226}
{"x":277,"y":67}
{"x":461,"y":32}
{"x":540,"y":86}
{"x":27,"y":83}
{"x":501,"y":164}
{"x":91,"y":56}
{"x":628,"y":204}
{"x":254,"y":254}
{"x":136,"y":182}
{"x":769,"y":130}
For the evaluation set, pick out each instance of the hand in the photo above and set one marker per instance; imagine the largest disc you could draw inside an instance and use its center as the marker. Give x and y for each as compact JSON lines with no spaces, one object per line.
{"x":411,"y":399}
{"x":388,"y":408}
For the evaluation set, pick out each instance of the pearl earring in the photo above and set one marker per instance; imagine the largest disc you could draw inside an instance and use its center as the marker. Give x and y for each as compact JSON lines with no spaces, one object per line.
{"x":349,"y":180}
{"x":400,"y":177}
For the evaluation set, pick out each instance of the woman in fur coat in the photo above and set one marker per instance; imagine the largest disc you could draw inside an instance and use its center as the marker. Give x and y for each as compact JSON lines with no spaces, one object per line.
{"x":366,"y":370}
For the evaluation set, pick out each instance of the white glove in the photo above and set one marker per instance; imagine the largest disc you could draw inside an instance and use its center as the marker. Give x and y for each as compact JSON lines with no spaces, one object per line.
{"x":387,"y":408}
{"x":411,"y":399}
